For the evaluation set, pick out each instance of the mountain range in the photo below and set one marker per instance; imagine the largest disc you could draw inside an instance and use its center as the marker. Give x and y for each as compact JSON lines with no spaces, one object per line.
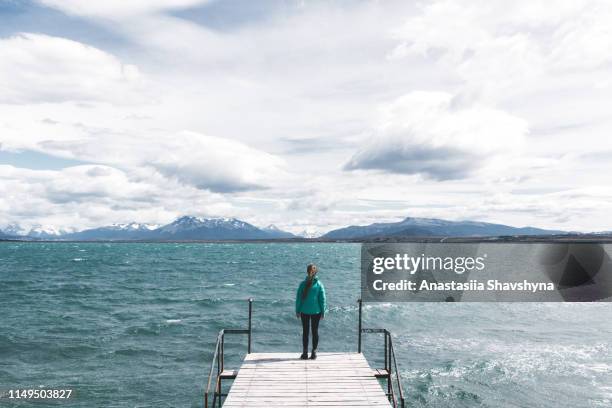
{"x":432,"y":227}
{"x":183,"y":228}
{"x":199,"y":228}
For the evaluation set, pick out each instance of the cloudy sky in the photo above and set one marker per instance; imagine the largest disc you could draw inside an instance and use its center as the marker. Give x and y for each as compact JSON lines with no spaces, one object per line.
{"x":308,"y":115}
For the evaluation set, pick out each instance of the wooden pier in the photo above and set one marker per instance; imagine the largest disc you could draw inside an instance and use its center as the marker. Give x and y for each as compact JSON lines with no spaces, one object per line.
{"x":283,"y":380}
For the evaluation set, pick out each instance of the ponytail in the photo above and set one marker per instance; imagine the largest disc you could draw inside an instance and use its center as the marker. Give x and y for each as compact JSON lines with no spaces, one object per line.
{"x":309,"y":280}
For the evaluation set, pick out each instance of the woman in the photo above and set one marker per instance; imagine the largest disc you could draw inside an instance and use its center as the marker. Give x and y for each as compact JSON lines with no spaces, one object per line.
{"x":310,"y":306}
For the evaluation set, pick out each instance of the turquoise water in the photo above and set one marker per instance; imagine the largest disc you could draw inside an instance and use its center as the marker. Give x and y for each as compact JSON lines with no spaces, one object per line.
{"x":134,"y":325}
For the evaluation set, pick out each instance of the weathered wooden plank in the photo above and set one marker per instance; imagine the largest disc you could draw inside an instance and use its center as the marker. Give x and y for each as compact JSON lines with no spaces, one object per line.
{"x":283,"y":380}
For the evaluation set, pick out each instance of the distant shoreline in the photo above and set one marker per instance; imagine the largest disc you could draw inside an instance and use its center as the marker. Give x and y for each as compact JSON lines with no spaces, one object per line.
{"x":586,"y":238}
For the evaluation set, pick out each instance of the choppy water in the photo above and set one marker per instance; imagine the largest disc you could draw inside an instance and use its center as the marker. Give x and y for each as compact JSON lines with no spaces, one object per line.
{"x":134,"y":325}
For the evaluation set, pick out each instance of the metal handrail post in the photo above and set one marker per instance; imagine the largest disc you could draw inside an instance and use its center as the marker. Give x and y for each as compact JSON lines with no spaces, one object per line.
{"x":386,"y":351}
{"x":388,"y":365}
{"x":397,"y":373}
{"x":390,"y":370}
{"x":219,"y":359}
{"x":391,"y":393}
{"x":219,"y":403}
{"x":221,"y":354}
{"x":218,"y":385}
{"x":250,"y":322}
{"x":359,"y":328}
{"x":390,"y":362}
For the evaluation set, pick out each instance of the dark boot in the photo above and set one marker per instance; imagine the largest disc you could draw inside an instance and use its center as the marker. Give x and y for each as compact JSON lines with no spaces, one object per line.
{"x":313,"y":355}
{"x":304,"y":355}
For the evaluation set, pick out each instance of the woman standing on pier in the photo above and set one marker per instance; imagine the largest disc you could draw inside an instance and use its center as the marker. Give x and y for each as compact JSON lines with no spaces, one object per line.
{"x":310,"y":306}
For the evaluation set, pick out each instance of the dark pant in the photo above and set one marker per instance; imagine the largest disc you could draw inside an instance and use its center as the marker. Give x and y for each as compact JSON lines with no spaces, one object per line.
{"x":313,"y":321}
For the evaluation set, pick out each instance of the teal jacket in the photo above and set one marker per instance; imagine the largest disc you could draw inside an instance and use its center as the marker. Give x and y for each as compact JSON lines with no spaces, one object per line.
{"x":315,"y":302}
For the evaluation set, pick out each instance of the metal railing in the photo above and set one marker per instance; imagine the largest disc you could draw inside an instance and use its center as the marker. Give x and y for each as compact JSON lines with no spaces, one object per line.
{"x":218,"y":357}
{"x":394,"y":393}
{"x":390,"y":363}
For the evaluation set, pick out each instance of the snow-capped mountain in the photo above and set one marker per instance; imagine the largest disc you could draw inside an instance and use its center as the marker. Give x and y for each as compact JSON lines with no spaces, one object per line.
{"x":47,"y":232}
{"x":309,"y":233}
{"x":190,"y":227}
{"x":432,"y":227}
{"x":276,"y":232}
{"x":15,"y":230}
{"x":37,"y":231}
{"x":183,"y":228}
{"x":188,"y":223}
{"x":134,"y":226}
{"x":213,"y":229}
{"x":129,"y":231}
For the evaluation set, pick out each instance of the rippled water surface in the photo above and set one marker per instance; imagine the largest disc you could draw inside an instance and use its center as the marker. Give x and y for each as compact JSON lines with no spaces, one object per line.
{"x":134,"y":325}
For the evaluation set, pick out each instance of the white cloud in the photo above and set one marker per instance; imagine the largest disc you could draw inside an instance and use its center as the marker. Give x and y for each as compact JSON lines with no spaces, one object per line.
{"x":214,"y":163}
{"x":36,"y":68}
{"x":94,"y":195}
{"x":584,"y":40}
{"x":201,"y":161}
{"x":428,"y":133}
{"x":488,"y":71}
{"x":48,"y":77}
{"x":502,"y":49}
